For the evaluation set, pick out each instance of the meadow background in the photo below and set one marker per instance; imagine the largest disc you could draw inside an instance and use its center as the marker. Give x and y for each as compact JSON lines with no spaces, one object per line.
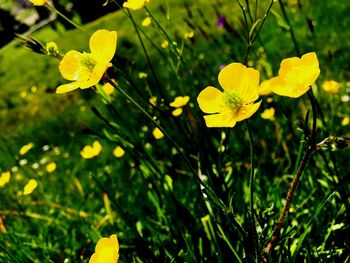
{"x":148,"y":196}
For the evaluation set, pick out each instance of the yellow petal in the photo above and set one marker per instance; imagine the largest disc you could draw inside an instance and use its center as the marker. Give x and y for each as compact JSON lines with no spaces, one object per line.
{"x":70,"y":65}
{"x":268,"y":114}
{"x":108,"y":89}
{"x":5,"y":178}
{"x":26,"y":148}
{"x":51,"y":167}
{"x":331,"y":86}
{"x":134,"y":4}
{"x":247,"y":111}
{"x":67,"y":87}
{"x":30,"y":187}
{"x":157,"y":134}
{"x":345,"y":121}
{"x":106,"y":250}
{"x":95,"y":76}
{"x":220,"y":120}
{"x":210,"y":100}
{"x":146,"y":22}
{"x":103,"y":44}
{"x":177,"y":112}
{"x":265,"y":88}
{"x":180,"y":101}
{"x":38,"y":2}
{"x":89,"y":152}
{"x":118,"y":152}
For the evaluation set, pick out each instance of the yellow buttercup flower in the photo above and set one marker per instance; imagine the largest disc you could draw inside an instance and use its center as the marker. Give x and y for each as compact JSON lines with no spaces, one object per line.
{"x":108,"y":89}
{"x":177,"y":112}
{"x":51,"y":167}
{"x":89,"y":151}
{"x":106,"y":250}
{"x":38,"y":2}
{"x":296,"y":75}
{"x":146,"y":22}
{"x":165,"y":44}
{"x":26,"y":148}
{"x":345,"y":121}
{"x":87,"y":69}
{"x":331,"y":86}
{"x":268,"y":114}
{"x":135,"y":4}
{"x":178,"y":103}
{"x":157,"y":134}
{"x":30,"y":187}
{"x":118,"y":152}
{"x":265,"y":88}
{"x":236,"y":102}
{"x":153,"y":100}
{"x":5,"y":178}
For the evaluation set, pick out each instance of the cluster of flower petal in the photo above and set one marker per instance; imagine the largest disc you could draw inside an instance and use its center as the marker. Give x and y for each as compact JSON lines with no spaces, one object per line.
{"x":178,"y":104}
{"x":106,"y":250}
{"x":236,"y":102}
{"x":135,"y":4}
{"x":85,"y":70}
{"x":89,"y":151}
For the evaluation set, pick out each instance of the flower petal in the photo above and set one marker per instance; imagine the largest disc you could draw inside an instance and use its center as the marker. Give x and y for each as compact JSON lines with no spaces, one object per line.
{"x":103,"y":44}
{"x":230,"y":76}
{"x":247,"y":111}
{"x":210,"y":100}
{"x":70,"y":65}
{"x":310,"y":61}
{"x":95,"y":76}
{"x":68,"y":87}
{"x":222,"y":119}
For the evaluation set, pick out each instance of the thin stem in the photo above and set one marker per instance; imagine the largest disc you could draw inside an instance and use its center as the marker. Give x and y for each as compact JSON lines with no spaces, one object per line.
{"x":52,"y":8}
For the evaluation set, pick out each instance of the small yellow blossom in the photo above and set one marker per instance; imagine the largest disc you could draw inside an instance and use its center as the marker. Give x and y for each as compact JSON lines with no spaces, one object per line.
{"x":146,"y":22}
{"x":89,"y":151}
{"x":33,"y":89}
{"x":5,"y":178}
{"x":180,"y":101}
{"x":265,"y":88}
{"x":23,"y":94}
{"x":108,"y":89}
{"x":189,"y":34}
{"x":345,"y":121}
{"x":157,"y":134}
{"x":153,"y":100}
{"x":51,"y":48}
{"x":87,"y":69}
{"x":165,"y":44}
{"x":118,"y":152}
{"x":38,"y":2}
{"x":268,"y":114}
{"x":331,"y":86}
{"x":30,"y":187}
{"x":26,"y":148}
{"x":143,"y":75}
{"x":106,"y":250}
{"x":237,"y":101}
{"x":51,"y":167}
{"x":296,"y":75}
{"x":135,"y":4}
{"x":177,"y":112}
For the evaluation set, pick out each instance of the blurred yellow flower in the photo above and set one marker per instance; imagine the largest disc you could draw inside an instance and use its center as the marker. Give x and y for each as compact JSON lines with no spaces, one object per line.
{"x":331,"y":86}
{"x":38,"y":2}
{"x":87,"y":69}
{"x":30,"y":187}
{"x":165,"y":44}
{"x":157,"y":134}
{"x":177,"y":112}
{"x":265,"y":88}
{"x":5,"y":178}
{"x":146,"y":22}
{"x":296,"y":75}
{"x":118,"y":152}
{"x":143,"y":75}
{"x":106,"y":250}
{"x":135,"y":4}
{"x":189,"y":34}
{"x":268,"y":114}
{"x":153,"y":100}
{"x":178,"y":103}
{"x":26,"y":148}
{"x":52,"y":48}
{"x":108,"y":89}
{"x":51,"y":167}
{"x":236,"y":102}
{"x":345,"y":121}
{"x":89,"y":151}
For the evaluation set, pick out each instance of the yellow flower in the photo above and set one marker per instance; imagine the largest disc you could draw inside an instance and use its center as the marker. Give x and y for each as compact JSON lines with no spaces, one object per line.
{"x":5,"y":178}
{"x":106,"y":250}
{"x":157,"y":134}
{"x":296,"y":75}
{"x":265,"y":88}
{"x":180,"y":101}
{"x":189,"y":34}
{"x":38,"y":2}
{"x":165,"y":44}
{"x":268,"y":114}
{"x":135,"y":4}
{"x":30,"y":187}
{"x":52,"y":48}
{"x":236,"y":102}
{"x":331,"y":86}
{"x":108,"y":89}
{"x":146,"y":22}
{"x":87,"y":69}
{"x":345,"y":121}
{"x":118,"y":152}
{"x":89,"y":151}
{"x":26,"y":148}
{"x":177,"y":112}
{"x":51,"y":167}
{"x":153,"y":100}
{"x":143,"y":75}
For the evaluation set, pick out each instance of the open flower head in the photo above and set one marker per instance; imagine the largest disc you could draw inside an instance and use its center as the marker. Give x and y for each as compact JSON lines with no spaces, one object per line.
{"x":89,"y":151}
{"x":135,"y":4}
{"x":236,"y":102}
{"x":85,"y":70}
{"x":5,"y":178}
{"x":331,"y":86}
{"x":296,"y":75}
{"x":30,"y":187}
{"x":106,"y":250}
{"x":38,"y":2}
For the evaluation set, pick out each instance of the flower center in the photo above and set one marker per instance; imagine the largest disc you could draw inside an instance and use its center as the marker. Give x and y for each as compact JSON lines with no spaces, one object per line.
{"x":232,"y":101}
{"x":88,"y":62}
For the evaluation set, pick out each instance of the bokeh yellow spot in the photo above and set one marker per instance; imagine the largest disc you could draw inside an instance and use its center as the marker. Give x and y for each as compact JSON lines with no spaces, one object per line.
{"x":118,"y":152}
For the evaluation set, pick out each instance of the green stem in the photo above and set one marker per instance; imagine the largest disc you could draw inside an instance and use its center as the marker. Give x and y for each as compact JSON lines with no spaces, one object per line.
{"x":52,"y":8}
